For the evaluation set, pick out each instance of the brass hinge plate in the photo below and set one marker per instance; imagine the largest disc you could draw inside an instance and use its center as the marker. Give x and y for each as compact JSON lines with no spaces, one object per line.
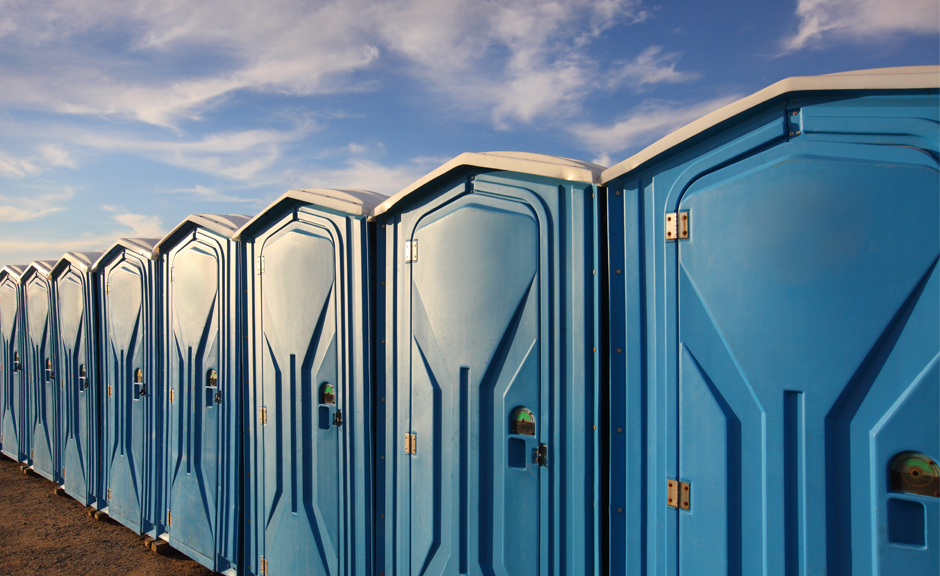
{"x":172,"y":273}
{"x":107,"y":493}
{"x":264,"y":415}
{"x":677,"y":226}
{"x":109,"y":390}
{"x":171,"y":396}
{"x":411,"y":251}
{"x":260,"y":262}
{"x":264,"y":565}
{"x":678,"y":494}
{"x":411,"y":443}
{"x":107,"y":288}
{"x":169,"y":518}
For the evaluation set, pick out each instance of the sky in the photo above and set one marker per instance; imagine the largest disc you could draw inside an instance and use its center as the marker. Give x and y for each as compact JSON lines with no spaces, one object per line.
{"x":118,"y":118}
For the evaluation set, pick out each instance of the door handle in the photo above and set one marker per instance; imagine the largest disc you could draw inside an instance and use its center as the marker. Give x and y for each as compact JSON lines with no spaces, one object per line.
{"x":338,"y":418}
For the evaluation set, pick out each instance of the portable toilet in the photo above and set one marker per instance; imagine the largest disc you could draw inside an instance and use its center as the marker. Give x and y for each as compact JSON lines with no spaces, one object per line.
{"x":775,"y":290}
{"x":42,"y":391}
{"x":308,"y":502}
{"x":203,"y":436}
{"x":486,"y":330}
{"x":76,"y":312}
{"x":131,"y":411}
{"x":12,"y":365}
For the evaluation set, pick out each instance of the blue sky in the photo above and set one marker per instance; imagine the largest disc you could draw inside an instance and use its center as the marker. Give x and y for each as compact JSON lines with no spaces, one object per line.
{"x":120,"y":117}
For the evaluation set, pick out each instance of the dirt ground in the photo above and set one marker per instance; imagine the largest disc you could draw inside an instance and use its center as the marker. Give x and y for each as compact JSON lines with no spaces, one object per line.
{"x":49,"y":535}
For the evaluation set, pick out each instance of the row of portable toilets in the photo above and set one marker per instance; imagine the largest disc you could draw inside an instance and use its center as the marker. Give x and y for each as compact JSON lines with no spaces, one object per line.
{"x":718,"y":357}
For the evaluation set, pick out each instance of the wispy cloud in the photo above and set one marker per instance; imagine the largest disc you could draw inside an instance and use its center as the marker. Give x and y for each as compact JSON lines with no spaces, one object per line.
{"x":860,"y":20}
{"x":513,"y":61}
{"x":31,"y":207}
{"x":650,"y":67}
{"x":136,"y":225}
{"x":207,"y":194}
{"x":643,"y":125}
{"x":367,"y":175}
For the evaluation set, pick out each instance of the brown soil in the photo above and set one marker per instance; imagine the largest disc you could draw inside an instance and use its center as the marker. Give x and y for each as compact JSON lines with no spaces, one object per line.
{"x":41,"y":533}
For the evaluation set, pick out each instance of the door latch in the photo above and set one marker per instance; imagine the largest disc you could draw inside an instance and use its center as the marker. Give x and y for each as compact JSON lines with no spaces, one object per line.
{"x":540,"y":455}
{"x":338,"y":418}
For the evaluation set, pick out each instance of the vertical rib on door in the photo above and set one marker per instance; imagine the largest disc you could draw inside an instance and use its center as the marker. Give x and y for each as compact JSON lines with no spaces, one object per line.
{"x":122,"y":356}
{"x":73,"y":347}
{"x":301,"y":339}
{"x":10,"y":411}
{"x":808,"y":296}
{"x":477,"y":352}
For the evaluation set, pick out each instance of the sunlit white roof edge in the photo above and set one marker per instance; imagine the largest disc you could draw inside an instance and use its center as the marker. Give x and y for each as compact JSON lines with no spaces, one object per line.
{"x":901,"y":78}
{"x":84,"y":260}
{"x":524,"y":162}
{"x":352,"y":202}
{"x":222,"y":224}
{"x":145,"y":247}
{"x":15,"y":271}
{"x":44,"y":267}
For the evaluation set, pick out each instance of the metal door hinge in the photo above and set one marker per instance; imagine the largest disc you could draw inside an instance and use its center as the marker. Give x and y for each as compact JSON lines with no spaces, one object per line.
{"x":107,"y":493}
{"x":264,"y":415}
{"x":677,"y":226}
{"x":411,"y":251}
{"x":107,"y":287}
{"x":172,"y":273}
{"x":169,"y":517}
{"x":264,"y":565}
{"x":109,"y":390}
{"x":171,"y":396}
{"x":260,"y":261}
{"x":411,"y":443}
{"x":678,"y":494}
{"x":32,"y":454}
{"x":63,"y":472}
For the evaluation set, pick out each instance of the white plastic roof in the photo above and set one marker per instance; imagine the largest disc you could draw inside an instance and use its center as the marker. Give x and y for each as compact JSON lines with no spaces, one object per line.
{"x":903,"y":78}
{"x":352,"y":202}
{"x":144,"y":246}
{"x":524,"y":162}
{"x":44,"y":267}
{"x":84,"y":260}
{"x":15,"y":271}
{"x":222,"y":224}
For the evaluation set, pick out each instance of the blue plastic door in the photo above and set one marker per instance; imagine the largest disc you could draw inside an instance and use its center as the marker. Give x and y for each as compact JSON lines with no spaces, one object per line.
{"x":478,"y":402}
{"x":76,"y":378}
{"x":123,"y":357}
{"x":11,"y":370}
{"x":808,"y":359}
{"x":193,"y":378}
{"x":302,"y":392}
{"x":42,"y":393}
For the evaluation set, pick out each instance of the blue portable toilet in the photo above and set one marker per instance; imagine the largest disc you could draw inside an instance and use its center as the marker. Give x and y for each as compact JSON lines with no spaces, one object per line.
{"x":308,"y":503}
{"x":76,"y":318}
{"x":12,"y":365}
{"x":42,"y":390}
{"x":486,"y":332}
{"x":774,"y":286}
{"x":203,"y":435}
{"x":131,"y":411}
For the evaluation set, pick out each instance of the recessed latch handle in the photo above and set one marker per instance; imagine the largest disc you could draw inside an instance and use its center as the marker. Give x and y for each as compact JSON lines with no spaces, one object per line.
{"x":338,"y":418}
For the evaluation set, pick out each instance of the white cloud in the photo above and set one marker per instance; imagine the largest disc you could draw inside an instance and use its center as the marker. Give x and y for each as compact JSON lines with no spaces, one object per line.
{"x":136,"y":225}
{"x":643,"y":125}
{"x":512,"y":61}
{"x":368,"y":175}
{"x":861,"y":20}
{"x":650,"y":67}
{"x":16,"y":167}
{"x":31,"y":207}
{"x":207,"y":194}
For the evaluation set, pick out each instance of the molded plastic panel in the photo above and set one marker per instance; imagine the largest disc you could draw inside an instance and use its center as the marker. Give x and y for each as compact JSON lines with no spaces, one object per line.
{"x":476,"y":340}
{"x":132,"y":461}
{"x":311,"y":458}
{"x":78,"y":422}
{"x":12,"y":405}
{"x":42,"y":385}
{"x":202,"y":421}
{"x":779,"y":358}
